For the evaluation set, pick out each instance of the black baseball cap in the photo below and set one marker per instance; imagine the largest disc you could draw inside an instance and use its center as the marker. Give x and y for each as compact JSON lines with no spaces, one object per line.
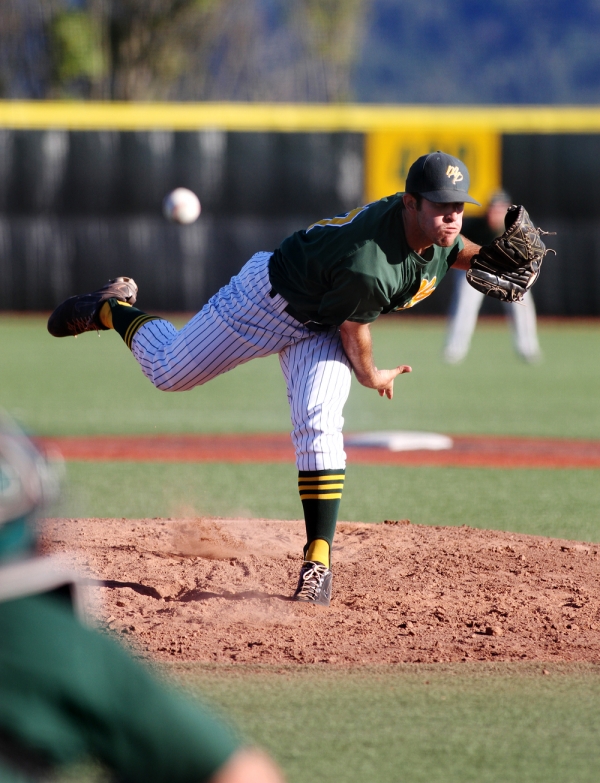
{"x":440,"y":177}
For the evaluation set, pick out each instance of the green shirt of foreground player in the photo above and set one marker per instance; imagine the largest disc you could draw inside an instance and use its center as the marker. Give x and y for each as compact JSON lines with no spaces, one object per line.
{"x":68,"y":692}
{"x":385,"y":256}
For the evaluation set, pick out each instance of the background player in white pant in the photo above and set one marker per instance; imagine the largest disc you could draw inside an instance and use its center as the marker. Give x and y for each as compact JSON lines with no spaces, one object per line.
{"x":466,"y":300}
{"x":310,"y":301}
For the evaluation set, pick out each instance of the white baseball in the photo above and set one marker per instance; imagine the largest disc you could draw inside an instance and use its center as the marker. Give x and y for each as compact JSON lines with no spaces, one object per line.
{"x":181,"y":206}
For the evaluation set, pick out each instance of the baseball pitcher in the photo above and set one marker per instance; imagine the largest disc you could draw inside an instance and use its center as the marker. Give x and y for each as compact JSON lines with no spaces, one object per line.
{"x":312,"y":301}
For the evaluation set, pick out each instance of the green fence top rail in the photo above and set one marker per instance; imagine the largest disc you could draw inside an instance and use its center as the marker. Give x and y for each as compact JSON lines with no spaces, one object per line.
{"x":286,"y":117}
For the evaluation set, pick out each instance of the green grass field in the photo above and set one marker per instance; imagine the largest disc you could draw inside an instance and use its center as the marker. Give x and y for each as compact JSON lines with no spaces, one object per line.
{"x":92,"y":385}
{"x":471,"y":722}
{"x":417,"y":724}
{"x":562,"y":504}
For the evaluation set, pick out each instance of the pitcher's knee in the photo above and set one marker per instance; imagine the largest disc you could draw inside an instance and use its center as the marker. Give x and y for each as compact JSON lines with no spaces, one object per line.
{"x":167,"y":385}
{"x":319,"y":450}
{"x":165,"y":379}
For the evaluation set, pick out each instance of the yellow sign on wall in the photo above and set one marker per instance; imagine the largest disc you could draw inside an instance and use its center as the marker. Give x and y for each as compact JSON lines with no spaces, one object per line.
{"x":389,"y":154}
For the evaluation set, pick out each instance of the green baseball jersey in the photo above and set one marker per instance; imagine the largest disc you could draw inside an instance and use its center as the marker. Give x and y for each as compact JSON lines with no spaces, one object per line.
{"x":67,"y":692}
{"x":355,"y":266}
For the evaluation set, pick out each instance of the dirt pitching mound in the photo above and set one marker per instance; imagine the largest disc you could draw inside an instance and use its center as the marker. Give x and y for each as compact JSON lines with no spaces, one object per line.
{"x":218,"y":590}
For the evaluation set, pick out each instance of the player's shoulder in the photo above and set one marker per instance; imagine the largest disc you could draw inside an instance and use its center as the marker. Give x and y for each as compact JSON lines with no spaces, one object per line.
{"x":365,"y":212}
{"x":386,"y":203}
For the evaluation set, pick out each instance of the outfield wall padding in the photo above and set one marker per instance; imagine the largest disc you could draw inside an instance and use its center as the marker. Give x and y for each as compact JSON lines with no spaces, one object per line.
{"x":78,"y":207}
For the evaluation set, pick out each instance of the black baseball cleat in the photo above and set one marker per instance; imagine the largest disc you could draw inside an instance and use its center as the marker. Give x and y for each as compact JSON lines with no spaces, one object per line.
{"x":80,"y":314}
{"x":314,"y":585}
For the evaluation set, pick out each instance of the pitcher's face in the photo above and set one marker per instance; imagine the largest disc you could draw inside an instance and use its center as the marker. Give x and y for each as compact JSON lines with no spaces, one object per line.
{"x":440,"y":223}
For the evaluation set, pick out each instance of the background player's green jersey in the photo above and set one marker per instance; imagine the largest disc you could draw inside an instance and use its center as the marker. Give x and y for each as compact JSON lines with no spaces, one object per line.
{"x":355,"y":266}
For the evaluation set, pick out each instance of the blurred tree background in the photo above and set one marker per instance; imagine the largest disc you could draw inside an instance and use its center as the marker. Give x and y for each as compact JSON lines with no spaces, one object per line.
{"x":433,"y":51}
{"x":180,"y":49}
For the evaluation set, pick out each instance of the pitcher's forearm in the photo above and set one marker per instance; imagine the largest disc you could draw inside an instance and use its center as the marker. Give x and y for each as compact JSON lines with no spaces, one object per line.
{"x":358,"y":345}
{"x":463,"y":260}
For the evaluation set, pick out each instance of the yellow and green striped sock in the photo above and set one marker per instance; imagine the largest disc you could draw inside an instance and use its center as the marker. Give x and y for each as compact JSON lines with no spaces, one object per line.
{"x":320,"y":493}
{"x":124,"y":319}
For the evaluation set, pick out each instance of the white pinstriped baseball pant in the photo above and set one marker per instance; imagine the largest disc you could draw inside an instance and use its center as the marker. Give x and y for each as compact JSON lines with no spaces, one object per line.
{"x":464,"y":311}
{"x":243,"y":322}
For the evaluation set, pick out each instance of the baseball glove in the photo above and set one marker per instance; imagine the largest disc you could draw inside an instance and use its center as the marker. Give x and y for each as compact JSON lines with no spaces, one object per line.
{"x":508,"y":267}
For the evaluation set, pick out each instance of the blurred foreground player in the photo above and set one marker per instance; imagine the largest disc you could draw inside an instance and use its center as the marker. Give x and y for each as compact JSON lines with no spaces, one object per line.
{"x":67,"y":692}
{"x":466,"y":301}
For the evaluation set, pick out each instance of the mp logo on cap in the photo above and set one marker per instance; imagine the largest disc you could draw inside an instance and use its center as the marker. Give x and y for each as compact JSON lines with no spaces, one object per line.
{"x":455,"y":174}
{"x":441,"y":178}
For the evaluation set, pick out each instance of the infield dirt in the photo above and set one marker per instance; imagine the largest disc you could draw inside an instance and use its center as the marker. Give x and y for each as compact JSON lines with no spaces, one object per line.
{"x":218,"y":590}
